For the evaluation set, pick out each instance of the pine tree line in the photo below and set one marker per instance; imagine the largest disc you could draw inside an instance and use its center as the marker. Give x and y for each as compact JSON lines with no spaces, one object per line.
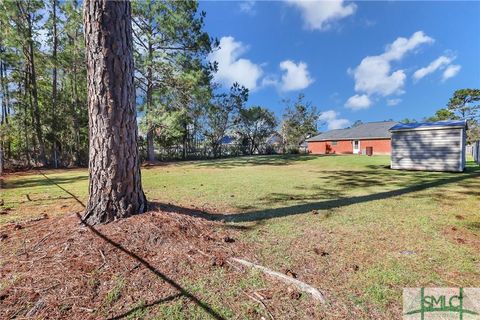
{"x":182,"y":113}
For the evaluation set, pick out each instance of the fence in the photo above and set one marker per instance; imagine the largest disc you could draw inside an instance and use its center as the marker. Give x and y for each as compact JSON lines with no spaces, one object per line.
{"x":476,"y":152}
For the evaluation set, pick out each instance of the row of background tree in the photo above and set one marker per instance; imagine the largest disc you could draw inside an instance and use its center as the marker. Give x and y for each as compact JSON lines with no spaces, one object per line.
{"x":182,"y":112}
{"x":464,"y":104}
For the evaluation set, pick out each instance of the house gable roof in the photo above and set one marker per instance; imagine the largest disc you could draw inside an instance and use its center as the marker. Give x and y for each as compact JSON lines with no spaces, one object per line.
{"x":369,"y":130}
{"x":429,"y":125}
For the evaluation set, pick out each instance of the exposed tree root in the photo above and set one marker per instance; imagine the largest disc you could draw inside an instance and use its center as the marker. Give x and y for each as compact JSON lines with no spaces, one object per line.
{"x":302,"y":286}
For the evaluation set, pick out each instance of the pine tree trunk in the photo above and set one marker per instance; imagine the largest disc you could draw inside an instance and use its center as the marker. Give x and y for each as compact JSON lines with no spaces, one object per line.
{"x":150,"y":146}
{"x":54,"y":85}
{"x":6,"y":114}
{"x":115,"y":189}
{"x":150,"y":129}
{"x":76,"y":126}
{"x":34,"y":93}
{"x":3,"y":115}
{"x":1,"y":156}
{"x":75,"y":105}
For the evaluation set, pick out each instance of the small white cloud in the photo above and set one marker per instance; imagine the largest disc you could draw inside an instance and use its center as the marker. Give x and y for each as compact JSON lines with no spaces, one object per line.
{"x":393,"y":102}
{"x":451,"y":71}
{"x":270,"y":80}
{"x":397,"y":49}
{"x":247,"y":7}
{"x":332,"y":120}
{"x":319,"y":15}
{"x":358,"y":102}
{"x":232,"y":68}
{"x":436,"y":64}
{"x":295,"y":77}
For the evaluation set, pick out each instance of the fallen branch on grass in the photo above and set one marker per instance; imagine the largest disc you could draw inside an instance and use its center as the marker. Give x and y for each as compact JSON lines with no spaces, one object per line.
{"x":302,"y":286}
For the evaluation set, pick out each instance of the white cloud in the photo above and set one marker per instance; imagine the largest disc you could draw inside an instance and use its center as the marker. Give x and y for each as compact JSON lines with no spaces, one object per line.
{"x":295,"y":77}
{"x":270,"y":80}
{"x":358,"y":102}
{"x":374,"y":75}
{"x":436,"y":64}
{"x":397,"y":49}
{"x":232,"y":68}
{"x":393,"y":102}
{"x":451,"y":71}
{"x":319,"y":15}
{"x":247,"y":7}
{"x":332,"y":120}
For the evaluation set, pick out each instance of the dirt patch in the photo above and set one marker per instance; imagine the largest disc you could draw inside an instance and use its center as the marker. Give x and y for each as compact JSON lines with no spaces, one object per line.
{"x":463,"y":236}
{"x":58,"y":268}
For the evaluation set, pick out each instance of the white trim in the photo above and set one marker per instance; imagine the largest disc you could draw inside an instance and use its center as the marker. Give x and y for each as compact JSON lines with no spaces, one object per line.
{"x":427,"y":128}
{"x":350,"y":139}
{"x":353,"y":147}
{"x":462,"y":149}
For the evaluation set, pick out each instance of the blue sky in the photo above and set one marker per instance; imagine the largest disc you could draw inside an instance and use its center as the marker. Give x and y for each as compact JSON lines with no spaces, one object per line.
{"x":368,"y":61}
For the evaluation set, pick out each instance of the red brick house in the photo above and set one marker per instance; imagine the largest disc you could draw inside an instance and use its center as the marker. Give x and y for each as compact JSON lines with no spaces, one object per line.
{"x":353,"y":140}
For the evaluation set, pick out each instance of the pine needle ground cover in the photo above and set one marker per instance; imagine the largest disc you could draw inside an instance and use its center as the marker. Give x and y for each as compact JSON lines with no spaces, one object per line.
{"x":347,"y":225}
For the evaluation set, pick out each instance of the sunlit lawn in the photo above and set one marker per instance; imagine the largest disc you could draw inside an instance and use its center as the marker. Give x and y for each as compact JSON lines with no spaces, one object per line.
{"x":382,"y":229}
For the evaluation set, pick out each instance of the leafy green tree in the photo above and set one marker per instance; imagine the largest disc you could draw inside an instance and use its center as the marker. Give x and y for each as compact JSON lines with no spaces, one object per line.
{"x":220,"y":114}
{"x":465,"y":104}
{"x":22,"y":25}
{"x":441,"y":115}
{"x":74,"y":86}
{"x":253,"y":126}
{"x":299,"y":122}
{"x":170,"y":47}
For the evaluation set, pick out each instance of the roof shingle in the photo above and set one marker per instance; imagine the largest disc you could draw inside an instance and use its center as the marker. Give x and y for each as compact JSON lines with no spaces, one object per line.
{"x":430,"y":125}
{"x":369,"y":130}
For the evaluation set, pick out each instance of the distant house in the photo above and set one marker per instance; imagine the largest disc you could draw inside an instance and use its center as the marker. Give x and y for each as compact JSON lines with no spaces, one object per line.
{"x":274,"y":143}
{"x":303,"y":147}
{"x":275,"y":140}
{"x":227,"y":140}
{"x":354,"y":140}
{"x":433,"y":146}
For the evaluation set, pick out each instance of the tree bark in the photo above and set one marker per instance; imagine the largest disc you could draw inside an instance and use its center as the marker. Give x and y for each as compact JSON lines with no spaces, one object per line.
{"x":115,"y":189}
{"x":150,"y":145}
{"x":3,"y":118}
{"x":6,"y":113}
{"x":75,"y":102}
{"x":150,"y":129}
{"x":54,"y":85}
{"x":34,"y":90}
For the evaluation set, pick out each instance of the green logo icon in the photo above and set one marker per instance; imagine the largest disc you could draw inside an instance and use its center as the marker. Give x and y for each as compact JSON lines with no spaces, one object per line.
{"x":441,"y":303}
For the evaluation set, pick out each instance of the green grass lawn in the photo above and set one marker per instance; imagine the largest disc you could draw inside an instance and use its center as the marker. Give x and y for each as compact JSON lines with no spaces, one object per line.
{"x":381,"y":229}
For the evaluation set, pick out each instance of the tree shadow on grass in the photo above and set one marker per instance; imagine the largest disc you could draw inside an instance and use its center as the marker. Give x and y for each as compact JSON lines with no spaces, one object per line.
{"x":259,"y":215}
{"x":259,"y":160}
{"x":145,"y":263}
{"x":145,"y":306}
{"x":39,"y":182}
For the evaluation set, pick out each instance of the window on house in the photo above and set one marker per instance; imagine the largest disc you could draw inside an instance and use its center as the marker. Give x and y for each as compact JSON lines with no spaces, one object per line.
{"x":334,"y":143}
